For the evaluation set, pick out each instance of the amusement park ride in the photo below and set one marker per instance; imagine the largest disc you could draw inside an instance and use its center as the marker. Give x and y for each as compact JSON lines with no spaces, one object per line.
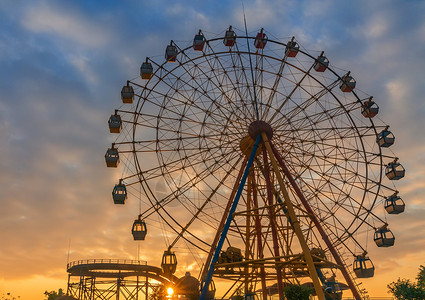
{"x":276,"y":166}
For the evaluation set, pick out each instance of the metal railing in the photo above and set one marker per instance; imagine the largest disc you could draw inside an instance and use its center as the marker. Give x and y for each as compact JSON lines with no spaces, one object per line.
{"x":105,"y":261}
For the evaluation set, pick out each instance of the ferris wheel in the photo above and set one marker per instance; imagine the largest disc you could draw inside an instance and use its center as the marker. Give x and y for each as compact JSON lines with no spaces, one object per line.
{"x":262,"y":158}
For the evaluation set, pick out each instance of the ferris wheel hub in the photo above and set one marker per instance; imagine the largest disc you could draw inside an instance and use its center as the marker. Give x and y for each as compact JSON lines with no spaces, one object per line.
{"x":246,"y":145}
{"x":257,"y":127}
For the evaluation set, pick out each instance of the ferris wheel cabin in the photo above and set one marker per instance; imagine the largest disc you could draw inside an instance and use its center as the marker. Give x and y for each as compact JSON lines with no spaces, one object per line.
{"x":333,"y":290}
{"x":385,"y":138}
{"x":260,"y":40}
{"x":394,"y":170}
{"x":127,"y":94}
{"x":394,"y":204}
{"x":171,"y":52}
{"x":146,"y":70}
{"x":348,"y":83}
{"x":119,"y":193}
{"x":112,"y":158}
{"x":115,"y":123}
{"x":383,"y":237}
{"x":369,"y":108}
{"x":139,"y":229}
{"x":169,"y":262}
{"x":363,"y":267}
{"x":199,"y":42}
{"x":321,"y":63}
{"x":210,"y":295}
{"x":292,"y":48}
{"x":229,"y":37}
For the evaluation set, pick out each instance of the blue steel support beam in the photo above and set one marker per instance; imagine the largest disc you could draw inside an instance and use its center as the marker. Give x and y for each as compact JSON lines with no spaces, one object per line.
{"x":229,"y":220}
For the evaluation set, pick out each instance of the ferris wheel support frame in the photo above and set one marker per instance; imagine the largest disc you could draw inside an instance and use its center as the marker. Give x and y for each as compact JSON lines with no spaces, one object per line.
{"x":251,"y":183}
{"x":295,"y":222}
{"x":208,"y":278}
{"x":273,"y":223}
{"x":316,"y":222}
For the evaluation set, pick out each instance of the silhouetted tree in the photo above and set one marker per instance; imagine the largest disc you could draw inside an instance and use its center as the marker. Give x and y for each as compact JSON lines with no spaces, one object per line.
{"x":298,"y":292}
{"x":421,"y":277}
{"x":404,"y":289}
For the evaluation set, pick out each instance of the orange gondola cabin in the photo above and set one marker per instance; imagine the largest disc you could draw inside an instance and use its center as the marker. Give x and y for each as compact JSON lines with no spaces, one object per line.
{"x":348,"y":83}
{"x":260,"y":40}
{"x":292,"y":48}
{"x":321,"y":63}
{"x":229,"y":37}
{"x":369,"y":108}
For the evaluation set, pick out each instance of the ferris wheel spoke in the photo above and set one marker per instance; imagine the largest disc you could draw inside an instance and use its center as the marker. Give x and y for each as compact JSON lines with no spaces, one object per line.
{"x":215,"y":86}
{"x":330,"y":182}
{"x":288,"y":97}
{"x":243,"y":78}
{"x":207,"y":200}
{"x":226,"y":81}
{"x":186,"y":99}
{"x":274,"y":90}
{"x":189,"y":185}
{"x":313,"y":99}
{"x":169,"y":109}
{"x":157,"y":171}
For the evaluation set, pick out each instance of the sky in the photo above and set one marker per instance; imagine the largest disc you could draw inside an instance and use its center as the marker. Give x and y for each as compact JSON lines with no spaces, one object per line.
{"x":62,"y":66}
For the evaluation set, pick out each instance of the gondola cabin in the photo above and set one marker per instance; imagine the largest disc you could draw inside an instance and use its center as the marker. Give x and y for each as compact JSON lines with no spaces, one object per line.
{"x":169,"y":262}
{"x":369,"y":108}
{"x":115,"y":123}
{"x":333,"y":290}
{"x":210,"y":295}
{"x":229,"y":37}
{"x":112,"y":157}
{"x":292,"y":48}
{"x":139,"y":229}
{"x":171,"y":53}
{"x":146,"y":70}
{"x":199,"y":42}
{"x":119,"y":193}
{"x":363,"y":267}
{"x":348,"y":83}
{"x":260,"y":40}
{"x":251,"y":296}
{"x":394,"y":170}
{"x":385,"y":138}
{"x":321,"y":63}
{"x":127,"y":94}
{"x":383,"y":237}
{"x":394,"y":205}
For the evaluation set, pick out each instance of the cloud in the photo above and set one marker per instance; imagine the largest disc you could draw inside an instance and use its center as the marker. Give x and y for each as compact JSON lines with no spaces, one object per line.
{"x":65,"y":24}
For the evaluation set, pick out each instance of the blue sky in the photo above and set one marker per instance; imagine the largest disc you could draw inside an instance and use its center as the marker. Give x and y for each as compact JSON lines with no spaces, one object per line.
{"x":63,"y":63}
